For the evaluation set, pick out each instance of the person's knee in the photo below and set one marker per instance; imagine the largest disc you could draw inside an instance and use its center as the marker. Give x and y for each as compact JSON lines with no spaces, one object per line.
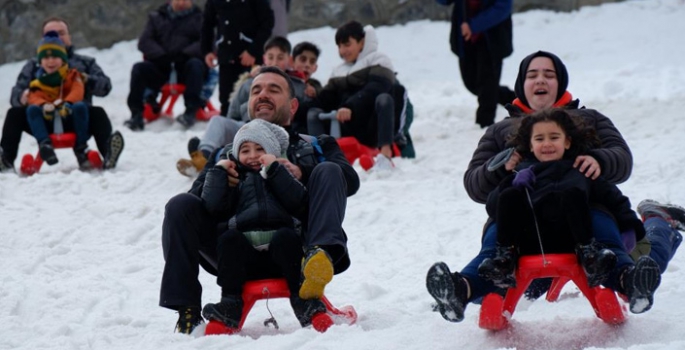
{"x":79,"y":107}
{"x":326,"y":170}
{"x":181,"y":204}
{"x":384,"y":100}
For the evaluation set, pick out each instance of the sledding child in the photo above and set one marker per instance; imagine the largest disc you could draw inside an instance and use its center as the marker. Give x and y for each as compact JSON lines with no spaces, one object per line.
{"x":57,"y":91}
{"x":263,"y":202}
{"x":549,"y":141}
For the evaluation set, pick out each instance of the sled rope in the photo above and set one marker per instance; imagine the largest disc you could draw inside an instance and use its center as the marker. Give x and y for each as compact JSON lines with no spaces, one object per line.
{"x":537,"y":229}
{"x":272,"y":319}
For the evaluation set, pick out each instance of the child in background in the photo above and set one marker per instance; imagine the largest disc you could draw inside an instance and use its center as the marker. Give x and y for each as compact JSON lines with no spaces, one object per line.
{"x":261,"y":241}
{"x":559,"y":220}
{"x":305,"y":63}
{"x":57,"y":88}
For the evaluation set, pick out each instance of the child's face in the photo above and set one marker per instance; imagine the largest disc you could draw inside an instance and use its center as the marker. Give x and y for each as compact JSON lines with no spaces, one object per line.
{"x":275,"y":57}
{"x":249,"y":153}
{"x":548,"y":141}
{"x":349,"y":51}
{"x":51,"y":64}
{"x":541,"y":85}
{"x":306,"y":63}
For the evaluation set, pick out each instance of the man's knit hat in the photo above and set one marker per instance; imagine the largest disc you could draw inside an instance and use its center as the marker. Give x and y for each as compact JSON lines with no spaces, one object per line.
{"x":562,"y":75}
{"x":273,"y":138}
{"x":52,"y":45}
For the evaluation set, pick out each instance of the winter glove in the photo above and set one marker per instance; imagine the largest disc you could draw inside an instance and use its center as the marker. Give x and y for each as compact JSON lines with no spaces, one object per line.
{"x":48,"y":110}
{"x":524,"y":178}
{"x":65,"y":109}
{"x":628,"y":239}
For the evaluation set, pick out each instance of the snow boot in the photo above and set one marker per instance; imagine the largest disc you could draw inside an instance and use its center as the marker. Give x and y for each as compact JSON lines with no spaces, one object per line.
{"x":501,"y":268}
{"x":306,"y":309}
{"x":136,"y":123}
{"x":640,"y":282}
{"x":450,"y":291}
{"x":115,"y":144}
{"x":317,"y":271}
{"x":187,"y":119}
{"x":228,"y":311}
{"x":47,"y":152}
{"x":188,"y":319}
{"x":674,"y":214}
{"x":597,"y":262}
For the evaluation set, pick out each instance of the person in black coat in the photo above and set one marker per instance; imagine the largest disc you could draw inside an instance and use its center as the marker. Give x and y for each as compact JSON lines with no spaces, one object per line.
{"x":481,"y":36}
{"x":97,"y":83}
{"x":190,"y":231}
{"x":233,"y":36}
{"x":261,"y":241}
{"x":170,"y":42}
{"x":560,"y":196}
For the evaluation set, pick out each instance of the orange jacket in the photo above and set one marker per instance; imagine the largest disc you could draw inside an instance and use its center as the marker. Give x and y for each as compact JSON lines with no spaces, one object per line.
{"x":71,"y":90}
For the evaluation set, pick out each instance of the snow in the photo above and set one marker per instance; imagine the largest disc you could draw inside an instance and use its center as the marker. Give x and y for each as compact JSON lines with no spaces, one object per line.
{"x":81,"y":258}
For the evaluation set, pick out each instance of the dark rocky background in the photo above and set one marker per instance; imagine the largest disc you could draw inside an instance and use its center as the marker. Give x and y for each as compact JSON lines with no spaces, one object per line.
{"x":101,"y":23}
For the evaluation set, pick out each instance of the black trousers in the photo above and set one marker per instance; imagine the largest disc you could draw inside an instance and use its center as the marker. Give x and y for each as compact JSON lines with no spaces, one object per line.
{"x":189,"y":239}
{"x":16,"y":122}
{"x":327,"y":203}
{"x":563,"y":222}
{"x":151,"y":75}
{"x":240,"y":262}
{"x":481,"y":73}
{"x":228,"y":75}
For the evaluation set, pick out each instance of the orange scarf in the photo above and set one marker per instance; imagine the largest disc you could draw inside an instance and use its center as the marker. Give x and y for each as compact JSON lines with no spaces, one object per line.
{"x":563,"y":101}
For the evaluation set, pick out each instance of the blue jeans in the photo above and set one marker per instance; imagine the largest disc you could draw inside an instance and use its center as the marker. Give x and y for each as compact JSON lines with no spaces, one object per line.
{"x":604,"y":229}
{"x":78,"y":118}
{"x":664,"y":239}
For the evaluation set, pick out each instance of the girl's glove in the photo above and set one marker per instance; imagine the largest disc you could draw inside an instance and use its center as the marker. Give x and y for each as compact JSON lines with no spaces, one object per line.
{"x":524,"y":178}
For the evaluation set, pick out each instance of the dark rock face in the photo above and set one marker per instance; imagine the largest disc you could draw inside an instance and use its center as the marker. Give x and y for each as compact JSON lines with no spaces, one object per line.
{"x":101,"y":23}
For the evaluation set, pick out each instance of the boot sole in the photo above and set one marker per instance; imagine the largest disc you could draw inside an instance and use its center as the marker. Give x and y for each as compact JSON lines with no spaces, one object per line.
{"x":116,"y":146}
{"x":441,"y":287}
{"x":647,"y":278}
{"x":318,"y":272}
{"x":209,"y":312}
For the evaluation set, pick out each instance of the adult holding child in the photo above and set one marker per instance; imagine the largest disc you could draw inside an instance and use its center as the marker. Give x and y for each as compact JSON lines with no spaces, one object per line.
{"x":190,"y":231}
{"x":541,"y":83}
{"x":96,"y":83}
{"x":170,"y":42}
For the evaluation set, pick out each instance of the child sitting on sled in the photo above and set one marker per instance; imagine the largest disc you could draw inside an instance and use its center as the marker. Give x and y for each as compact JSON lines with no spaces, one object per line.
{"x":57,"y":91}
{"x":545,"y":206}
{"x":261,"y":240}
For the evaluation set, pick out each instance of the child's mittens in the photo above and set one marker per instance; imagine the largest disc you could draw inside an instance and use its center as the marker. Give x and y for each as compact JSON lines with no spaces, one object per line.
{"x":524,"y":178}
{"x":48,"y":110}
{"x":65,"y":109}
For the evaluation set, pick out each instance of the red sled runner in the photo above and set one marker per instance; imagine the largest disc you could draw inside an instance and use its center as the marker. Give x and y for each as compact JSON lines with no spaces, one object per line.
{"x":278,"y":288}
{"x":496,"y":311}
{"x":171,"y":93}
{"x":31,"y":165}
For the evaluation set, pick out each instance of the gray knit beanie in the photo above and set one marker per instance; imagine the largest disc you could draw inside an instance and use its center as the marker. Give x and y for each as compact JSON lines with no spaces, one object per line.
{"x":273,"y":138}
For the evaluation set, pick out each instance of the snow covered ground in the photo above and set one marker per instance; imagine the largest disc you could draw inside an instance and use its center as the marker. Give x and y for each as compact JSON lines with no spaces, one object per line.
{"x":81,"y":258}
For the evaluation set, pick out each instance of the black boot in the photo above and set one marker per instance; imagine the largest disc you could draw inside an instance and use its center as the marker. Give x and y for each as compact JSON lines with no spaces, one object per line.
{"x":47,"y":152}
{"x":136,"y":123}
{"x":305,"y":309}
{"x":449,"y":290}
{"x":81,"y":152}
{"x":188,"y":318}
{"x":500,"y":269}
{"x":187,"y":119}
{"x":115,"y":144}
{"x":640,"y":282}
{"x":228,"y":311}
{"x":597,"y":262}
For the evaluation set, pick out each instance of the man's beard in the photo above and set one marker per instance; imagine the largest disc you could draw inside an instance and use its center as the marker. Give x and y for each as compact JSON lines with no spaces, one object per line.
{"x":281,"y":116}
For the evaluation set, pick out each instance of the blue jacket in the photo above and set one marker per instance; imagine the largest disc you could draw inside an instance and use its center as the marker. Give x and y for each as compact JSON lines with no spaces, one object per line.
{"x":493,"y":20}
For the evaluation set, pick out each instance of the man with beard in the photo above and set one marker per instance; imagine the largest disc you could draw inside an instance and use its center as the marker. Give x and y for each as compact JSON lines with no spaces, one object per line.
{"x":189,"y":231}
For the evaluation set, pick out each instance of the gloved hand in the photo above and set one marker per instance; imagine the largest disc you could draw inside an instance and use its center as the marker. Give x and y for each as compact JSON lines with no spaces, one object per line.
{"x":65,"y":109}
{"x":48,"y":110}
{"x":628,"y":239}
{"x":524,"y":178}
{"x":84,"y":77}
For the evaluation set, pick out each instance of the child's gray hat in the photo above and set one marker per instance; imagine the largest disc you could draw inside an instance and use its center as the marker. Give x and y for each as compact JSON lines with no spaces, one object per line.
{"x":273,"y":138}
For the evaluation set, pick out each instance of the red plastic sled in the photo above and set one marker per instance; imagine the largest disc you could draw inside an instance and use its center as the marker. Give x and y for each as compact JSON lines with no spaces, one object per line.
{"x":31,"y":165}
{"x":171,"y":93}
{"x":353,"y":149}
{"x":496,"y":311}
{"x":278,"y":288}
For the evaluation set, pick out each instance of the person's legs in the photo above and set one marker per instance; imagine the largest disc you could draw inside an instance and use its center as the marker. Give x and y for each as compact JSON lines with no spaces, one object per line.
{"x":664,"y":239}
{"x":16,"y":122}
{"x":193,"y":76}
{"x":228,"y":74}
{"x":79,"y":114}
{"x":188,"y":236}
{"x":605,"y":230}
{"x":220,"y":131}
{"x":143,"y":75}
{"x":385,"y":116}
{"x":36,"y":121}
{"x":478,"y":286}
{"x":100,"y":127}
{"x":488,"y":73}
